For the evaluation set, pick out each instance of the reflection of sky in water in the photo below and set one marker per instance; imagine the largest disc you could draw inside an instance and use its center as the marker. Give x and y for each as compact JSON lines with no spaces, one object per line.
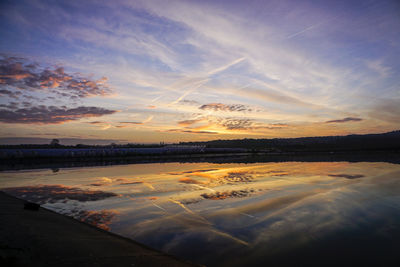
{"x":233,"y":214}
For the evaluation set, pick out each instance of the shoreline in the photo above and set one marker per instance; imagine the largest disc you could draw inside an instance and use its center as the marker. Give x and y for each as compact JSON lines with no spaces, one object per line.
{"x":46,"y":238}
{"x":15,"y":164}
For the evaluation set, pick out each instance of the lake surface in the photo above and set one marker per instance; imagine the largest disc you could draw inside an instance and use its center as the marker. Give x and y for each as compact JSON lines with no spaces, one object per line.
{"x":287,"y":213}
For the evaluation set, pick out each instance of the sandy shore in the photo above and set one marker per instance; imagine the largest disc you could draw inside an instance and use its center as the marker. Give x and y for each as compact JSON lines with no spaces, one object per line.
{"x":45,"y":238}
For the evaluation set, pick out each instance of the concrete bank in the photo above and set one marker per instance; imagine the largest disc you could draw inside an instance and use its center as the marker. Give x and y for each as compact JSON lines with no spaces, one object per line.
{"x":45,"y":238}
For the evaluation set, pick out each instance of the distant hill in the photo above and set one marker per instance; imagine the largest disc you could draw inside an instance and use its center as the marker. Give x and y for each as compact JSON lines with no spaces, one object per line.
{"x":366,"y":142}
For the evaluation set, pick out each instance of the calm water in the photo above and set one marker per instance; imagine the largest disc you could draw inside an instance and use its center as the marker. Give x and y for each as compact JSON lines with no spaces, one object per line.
{"x":288,"y":213}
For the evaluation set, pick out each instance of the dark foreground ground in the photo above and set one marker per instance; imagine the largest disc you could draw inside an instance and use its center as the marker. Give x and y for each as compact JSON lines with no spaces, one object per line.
{"x":45,"y":238}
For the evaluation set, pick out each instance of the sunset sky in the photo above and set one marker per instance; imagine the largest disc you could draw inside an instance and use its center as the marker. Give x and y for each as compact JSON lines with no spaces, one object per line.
{"x":150,"y":71}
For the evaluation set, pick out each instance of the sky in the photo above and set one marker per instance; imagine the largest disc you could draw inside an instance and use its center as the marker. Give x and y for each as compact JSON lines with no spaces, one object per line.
{"x":170,"y":71}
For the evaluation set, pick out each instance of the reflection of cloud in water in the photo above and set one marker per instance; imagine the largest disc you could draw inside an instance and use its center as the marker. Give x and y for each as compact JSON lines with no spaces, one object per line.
{"x":228,"y":194}
{"x":52,"y":193}
{"x":187,"y":180}
{"x":101,"y":219}
{"x":102,"y":181}
{"x":239,"y":177}
{"x":192,"y":171}
{"x":348,"y":176}
{"x":128,"y":183}
{"x":305,"y":209}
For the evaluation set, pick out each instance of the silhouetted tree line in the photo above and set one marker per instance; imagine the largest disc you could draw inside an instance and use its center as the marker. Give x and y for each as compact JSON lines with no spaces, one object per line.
{"x":385,"y":141}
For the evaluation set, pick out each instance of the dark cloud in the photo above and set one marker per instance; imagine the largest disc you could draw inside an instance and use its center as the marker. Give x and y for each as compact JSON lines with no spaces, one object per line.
{"x":130,"y":122}
{"x":237,"y":124}
{"x":191,"y":131}
{"x":20,"y":74}
{"x":10,"y":105}
{"x":26,"y":104}
{"x":189,"y":102}
{"x":344,"y":120}
{"x":225,"y":107}
{"x":11,"y":94}
{"x":189,"y":122}
{"x":96,"y":122}
{"x":247,"y":124}
{"x":50,"y":114}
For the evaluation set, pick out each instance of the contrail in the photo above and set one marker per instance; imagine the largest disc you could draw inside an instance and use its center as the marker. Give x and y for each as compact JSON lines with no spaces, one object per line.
{"x":202,"y":82}
{"x":300,"y":32}
{"x":161,"y":208}
{"x":240,"y":241}
{"x":183,"y":206}
{"x":310,"y":27}
{"x":202,"y":187}
{"x":248,"y":215}
{"x":155,"y":99}
{"x":148,"y":119}
{"x":227,"y":66}
{"x":149,"y":185}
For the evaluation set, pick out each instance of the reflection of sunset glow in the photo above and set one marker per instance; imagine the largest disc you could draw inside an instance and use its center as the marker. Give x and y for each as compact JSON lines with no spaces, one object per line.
{"x":237,"y":207}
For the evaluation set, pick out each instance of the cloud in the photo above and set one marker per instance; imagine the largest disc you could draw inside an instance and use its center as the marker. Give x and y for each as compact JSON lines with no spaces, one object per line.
{"x":189,"y":102}
{"x":130,"y":122}
{"x":189,"y":122}
{"x":11,"y":94}
{"x":191,"y":131}
{"x":378,"y":67}
{"x":50,"y":114}
{"x":10,"y":105}
{"x":20,"y":74}
{"x":224,"y":107}
{"x":237,"y":124}
{"x":344,"y":120}
{"x":386,"y":110}
{"x":96,"y":122}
